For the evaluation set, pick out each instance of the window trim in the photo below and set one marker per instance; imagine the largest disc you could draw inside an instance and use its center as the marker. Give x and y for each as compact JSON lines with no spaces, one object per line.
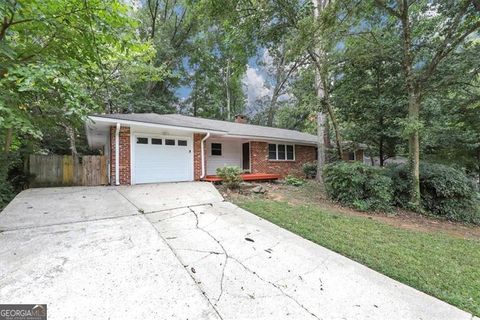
{"x":211,"y":149}
{"x":276,"y":152}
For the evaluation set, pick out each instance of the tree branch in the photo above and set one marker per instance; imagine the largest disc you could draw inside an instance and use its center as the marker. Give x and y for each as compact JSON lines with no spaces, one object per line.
{"x":383,"y":5}
{"x":445,"y":48}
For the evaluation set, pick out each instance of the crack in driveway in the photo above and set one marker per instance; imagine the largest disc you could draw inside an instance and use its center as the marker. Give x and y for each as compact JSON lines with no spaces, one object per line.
{"x":224,"y":252}
{"x":228,"y":256}
{"x":144,"y":215}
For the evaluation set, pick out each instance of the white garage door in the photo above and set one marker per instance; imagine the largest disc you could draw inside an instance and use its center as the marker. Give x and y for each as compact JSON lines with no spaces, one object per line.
{"x":162,"y":159}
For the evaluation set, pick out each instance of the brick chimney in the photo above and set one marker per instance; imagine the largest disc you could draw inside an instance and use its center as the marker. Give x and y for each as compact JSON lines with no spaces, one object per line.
{"x":240,"y":118}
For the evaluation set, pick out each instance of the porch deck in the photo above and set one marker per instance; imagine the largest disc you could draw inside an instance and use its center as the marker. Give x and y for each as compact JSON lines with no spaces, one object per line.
{"x":247,"y":177}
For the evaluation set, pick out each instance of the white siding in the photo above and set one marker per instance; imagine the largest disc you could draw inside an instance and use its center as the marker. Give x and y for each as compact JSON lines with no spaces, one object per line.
{"x":231,"y":154}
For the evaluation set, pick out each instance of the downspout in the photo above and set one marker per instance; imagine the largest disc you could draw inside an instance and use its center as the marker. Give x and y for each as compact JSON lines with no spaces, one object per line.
{"x":117,"y":155}
{"x":202,"y":155}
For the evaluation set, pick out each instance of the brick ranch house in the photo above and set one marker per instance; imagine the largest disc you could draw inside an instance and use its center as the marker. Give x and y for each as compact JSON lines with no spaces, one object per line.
{"x":149,"y":147}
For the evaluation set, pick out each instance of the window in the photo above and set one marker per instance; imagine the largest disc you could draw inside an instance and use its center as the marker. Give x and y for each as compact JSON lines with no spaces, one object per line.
{"x":156,"y":141}
{"x":182,"y":142}
{"x":290,"y":155}
{"x":272,"y":151}
{"x":216,"y":149}
{"x":142,"y":140}
{"x":281,"y":152}
{"x":169,"y":142}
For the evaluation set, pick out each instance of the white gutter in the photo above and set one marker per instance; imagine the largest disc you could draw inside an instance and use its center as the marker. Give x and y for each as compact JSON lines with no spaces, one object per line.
{"x":267,"y":139}
{"x":105,"y":120}
{"x":117,"y":154}
{"x":202,"y":155}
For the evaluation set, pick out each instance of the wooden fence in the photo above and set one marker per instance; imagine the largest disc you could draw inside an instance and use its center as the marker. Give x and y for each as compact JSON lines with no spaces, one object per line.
{"x":55,"y":170}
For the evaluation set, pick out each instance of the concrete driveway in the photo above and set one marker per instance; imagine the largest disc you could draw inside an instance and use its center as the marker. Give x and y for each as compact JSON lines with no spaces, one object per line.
{"x":178,"y":251}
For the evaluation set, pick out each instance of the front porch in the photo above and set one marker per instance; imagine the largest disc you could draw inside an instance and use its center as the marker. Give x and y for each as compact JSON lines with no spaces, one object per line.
{"x":247,"y":177}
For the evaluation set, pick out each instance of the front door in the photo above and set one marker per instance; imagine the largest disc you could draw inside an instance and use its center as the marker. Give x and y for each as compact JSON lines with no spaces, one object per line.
{"x":246,"y":156}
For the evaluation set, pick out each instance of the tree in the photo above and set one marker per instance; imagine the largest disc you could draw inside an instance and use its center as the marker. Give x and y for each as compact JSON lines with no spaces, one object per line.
{"x":280,"y":68}
{"x":216,"y":67}
{"x":58,"y":62}
{"x":169,"y":26}
{"x":430,"y":31}
{"x":368,"y":91}
{"x":451,"y":111}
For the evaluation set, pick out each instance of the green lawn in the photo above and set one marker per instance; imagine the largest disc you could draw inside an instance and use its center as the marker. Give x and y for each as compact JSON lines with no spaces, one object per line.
{"x":440,"y":265}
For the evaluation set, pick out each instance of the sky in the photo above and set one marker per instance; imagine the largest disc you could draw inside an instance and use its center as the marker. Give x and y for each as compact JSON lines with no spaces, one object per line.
{"x":254,"y":81}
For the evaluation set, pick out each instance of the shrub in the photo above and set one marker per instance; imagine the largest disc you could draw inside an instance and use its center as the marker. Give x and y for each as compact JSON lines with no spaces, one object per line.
{"x":230,"y":176}
{"x":294,"y":181}
{"x":358,"y":185}
{"x":446,"y":192}
{"x":7,"y":191}
{"x":310,"y":169}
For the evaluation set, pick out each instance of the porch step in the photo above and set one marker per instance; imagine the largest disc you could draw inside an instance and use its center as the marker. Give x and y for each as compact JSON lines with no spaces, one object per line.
{"x":247,"y":177}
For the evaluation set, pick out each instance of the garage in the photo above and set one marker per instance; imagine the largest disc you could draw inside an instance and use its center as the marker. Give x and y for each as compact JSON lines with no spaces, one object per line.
{"x":161,"y":158}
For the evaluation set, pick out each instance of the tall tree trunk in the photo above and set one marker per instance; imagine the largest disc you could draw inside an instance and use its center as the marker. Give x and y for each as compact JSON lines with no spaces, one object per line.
{"x":336,"y":129}
{"x":318,"y":6}
{"x":413,"y":109}
{"x":414,"y":151}
{"x":321,"y":146}
{"x":380,"y":153}
{"x":326,"y":135}
{"x":4,"y":26}
{"x":227,"y":89}
{"x":8,"y":140}
{"x":272,"y":109}
{"x":321,"y":82}
{"x":70,"y":131}
{"x":194,"y":103}
{"x":372,"y":160}
{"x":381,"y":139}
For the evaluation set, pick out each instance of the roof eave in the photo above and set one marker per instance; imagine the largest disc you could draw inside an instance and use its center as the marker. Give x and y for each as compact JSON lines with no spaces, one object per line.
{"x":264,"y":138}
{"x":112,"y":120}
{"x":152,"y":125}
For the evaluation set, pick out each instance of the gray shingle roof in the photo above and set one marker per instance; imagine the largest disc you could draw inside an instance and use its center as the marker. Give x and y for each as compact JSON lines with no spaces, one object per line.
{"x":230,"y":128}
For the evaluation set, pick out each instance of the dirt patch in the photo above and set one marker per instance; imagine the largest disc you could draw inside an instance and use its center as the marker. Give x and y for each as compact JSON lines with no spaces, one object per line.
{"x":312,"y":194}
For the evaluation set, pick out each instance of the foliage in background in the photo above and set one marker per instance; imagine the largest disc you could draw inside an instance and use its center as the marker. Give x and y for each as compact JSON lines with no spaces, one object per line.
{"x":310,"y":169}
{"x":6,"y":188}
{"x":60,"y":61}
{"x":369,"y":92}
{"x":13,"y":179}
{"x":446,"y":191}
{"x":231,"y":176}
{"x":359,"y":186}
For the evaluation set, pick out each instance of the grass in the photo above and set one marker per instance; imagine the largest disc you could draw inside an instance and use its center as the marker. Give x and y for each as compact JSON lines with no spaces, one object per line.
{"x":438,"y":264}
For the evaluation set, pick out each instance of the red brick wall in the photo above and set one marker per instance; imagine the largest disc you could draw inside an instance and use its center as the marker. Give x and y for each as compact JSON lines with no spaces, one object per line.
{"x":261,"y":164}
{"x":197,"y":159}
{"x":124,"y":153}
